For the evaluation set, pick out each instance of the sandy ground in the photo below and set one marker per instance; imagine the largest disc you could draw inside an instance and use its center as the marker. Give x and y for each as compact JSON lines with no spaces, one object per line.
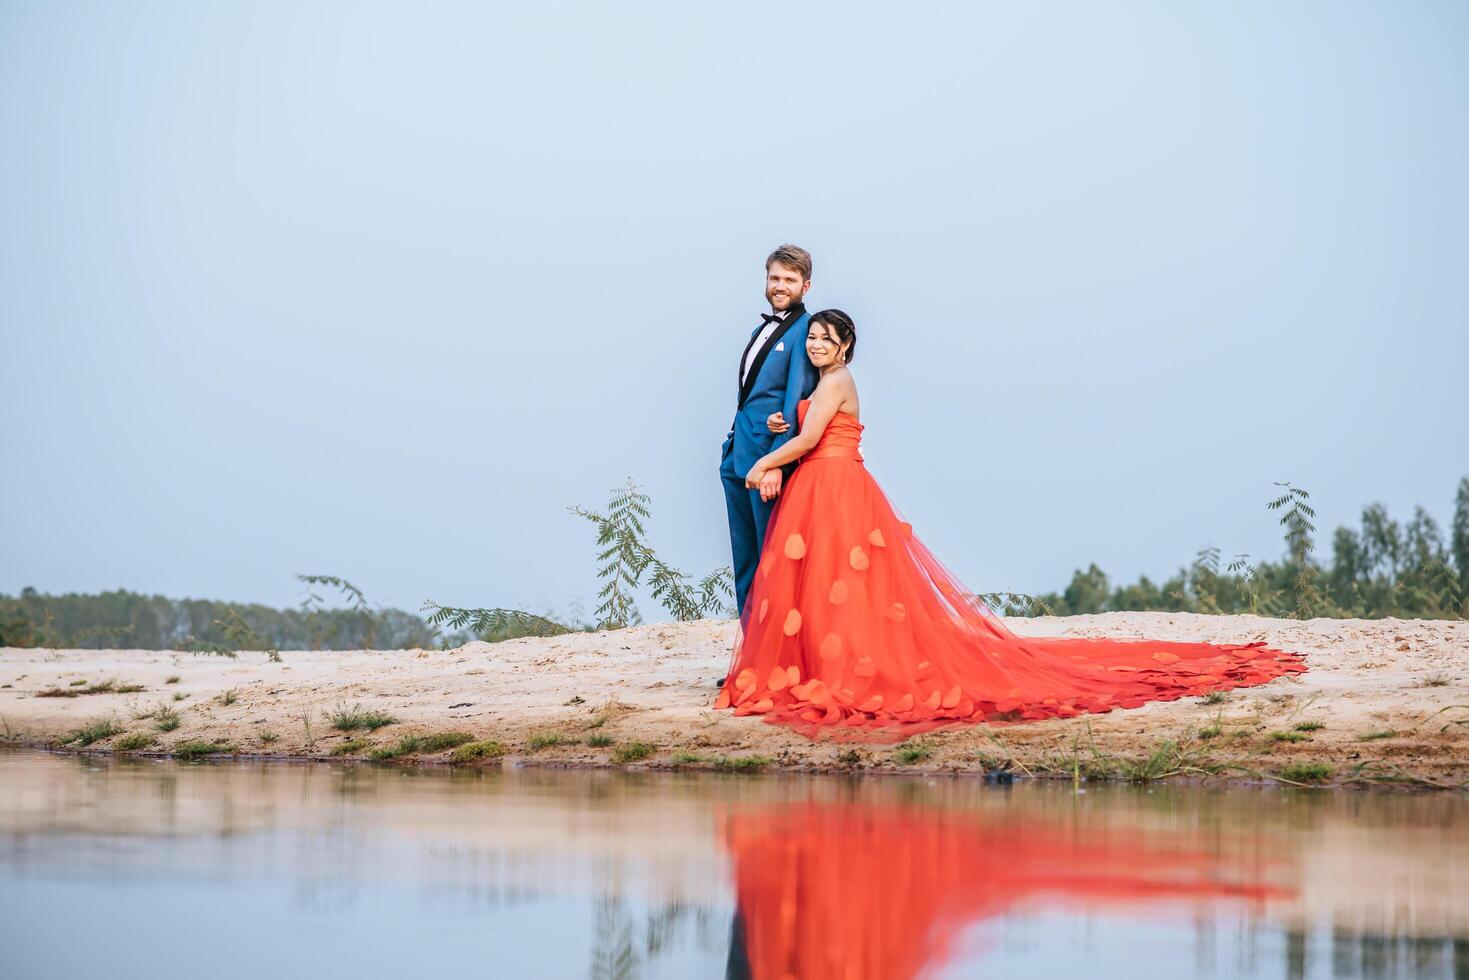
{"x":1404,"y":682}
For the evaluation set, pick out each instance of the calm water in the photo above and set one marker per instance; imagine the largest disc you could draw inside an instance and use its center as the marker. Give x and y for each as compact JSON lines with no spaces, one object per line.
{"x":130,"y":868}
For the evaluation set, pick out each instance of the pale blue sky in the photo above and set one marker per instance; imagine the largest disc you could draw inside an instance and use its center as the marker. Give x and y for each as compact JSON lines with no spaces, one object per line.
{"x":377,"y":290}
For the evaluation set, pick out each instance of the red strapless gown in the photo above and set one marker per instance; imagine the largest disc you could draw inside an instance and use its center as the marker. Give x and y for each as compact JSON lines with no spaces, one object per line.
{"x":852,"y":623}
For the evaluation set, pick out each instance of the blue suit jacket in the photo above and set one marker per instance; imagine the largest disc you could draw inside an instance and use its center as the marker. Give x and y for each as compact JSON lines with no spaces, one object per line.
{"x":780,"y":376}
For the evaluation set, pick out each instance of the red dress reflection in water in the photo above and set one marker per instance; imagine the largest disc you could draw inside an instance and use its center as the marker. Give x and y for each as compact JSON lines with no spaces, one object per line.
{"x":849,"y":892}
{"x":852,"y":623}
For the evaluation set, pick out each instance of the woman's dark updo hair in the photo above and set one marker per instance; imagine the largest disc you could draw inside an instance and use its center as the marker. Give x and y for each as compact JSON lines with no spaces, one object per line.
{"x":842,"y":326}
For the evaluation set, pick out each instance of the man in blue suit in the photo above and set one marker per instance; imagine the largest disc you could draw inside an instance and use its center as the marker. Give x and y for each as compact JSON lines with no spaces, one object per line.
{"x":775,"y":374}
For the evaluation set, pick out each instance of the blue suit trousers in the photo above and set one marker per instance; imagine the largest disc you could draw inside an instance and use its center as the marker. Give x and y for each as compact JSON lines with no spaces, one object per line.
{"x":748,"y":517}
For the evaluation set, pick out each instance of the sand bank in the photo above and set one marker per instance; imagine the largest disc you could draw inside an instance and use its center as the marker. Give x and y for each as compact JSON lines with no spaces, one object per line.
{"x":1391,"y":697}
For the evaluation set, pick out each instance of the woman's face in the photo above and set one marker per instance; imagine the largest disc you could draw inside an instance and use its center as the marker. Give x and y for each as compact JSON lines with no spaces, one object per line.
{"x":822,"y":346}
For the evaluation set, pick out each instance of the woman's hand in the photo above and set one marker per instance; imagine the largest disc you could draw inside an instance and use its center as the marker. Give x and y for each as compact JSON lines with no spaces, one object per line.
{"x":777,"y":423}
{"x":756,"y":474}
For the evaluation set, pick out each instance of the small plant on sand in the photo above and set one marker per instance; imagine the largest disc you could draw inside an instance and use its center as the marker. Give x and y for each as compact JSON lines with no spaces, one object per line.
{"x":104,"y":687}
{"x":92,"y":732}
{"x":1376,"y":736}
{"x":546,"y":740}
{"x":1306,"y":772}
{"x":1310,"y":726}
{"x":166,"y":719}
{"x":171,"y":679}
{"x":1436,"y":680}
{"x":314,"y":606}
{"x":179,"y":695}
{"x":228,"y":697}
{"x":78,"y":682}
{"x":742,"y":763}
{"x":357,"y":718}
{"x":1289,"y":737}
{"x":688,"y":758}
{"x":440,"y":741}
{"x":133,"y":742}
{"x":350,"y":746}
{"x":487,"y":749}
{"x":195,"y":748}
{"x":1215,"y":697}
{"x":308,"y":735}
{"x":913,"y":752}
{"x":268,"y":738}
{"x":852,"y":757}
{"x":237,"y":636}
{"x":632,"y":751}
{"x":411,"y":744}
{"x":599,"y":741}
{"x":1211,"y":731}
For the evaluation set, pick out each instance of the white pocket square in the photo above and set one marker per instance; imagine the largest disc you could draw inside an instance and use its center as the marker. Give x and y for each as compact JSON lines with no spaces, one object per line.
{"x":780,"y":345}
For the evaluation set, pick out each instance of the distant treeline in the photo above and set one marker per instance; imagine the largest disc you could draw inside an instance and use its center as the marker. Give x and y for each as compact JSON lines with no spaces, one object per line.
{"x":131,"y":620}
{"x":1384,"y":568}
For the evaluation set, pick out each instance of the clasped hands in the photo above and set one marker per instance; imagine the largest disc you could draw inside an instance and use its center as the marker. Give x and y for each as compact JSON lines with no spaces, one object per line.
{"x":765,"y":479}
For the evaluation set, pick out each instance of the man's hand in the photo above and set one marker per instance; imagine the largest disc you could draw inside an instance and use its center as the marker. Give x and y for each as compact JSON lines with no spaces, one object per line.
{"x":777,"y":423}
{"x":770,"y":485}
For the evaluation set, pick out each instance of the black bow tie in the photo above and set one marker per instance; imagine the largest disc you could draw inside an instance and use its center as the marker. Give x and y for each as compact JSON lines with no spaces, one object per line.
{"x":767,"y":319}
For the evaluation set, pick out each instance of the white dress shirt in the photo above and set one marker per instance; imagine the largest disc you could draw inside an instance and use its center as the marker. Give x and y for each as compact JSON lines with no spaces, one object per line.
{"x":759,"y":343}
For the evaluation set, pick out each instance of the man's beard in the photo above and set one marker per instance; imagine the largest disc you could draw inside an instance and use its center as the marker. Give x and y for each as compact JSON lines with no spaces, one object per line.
{"x":793,"y":300}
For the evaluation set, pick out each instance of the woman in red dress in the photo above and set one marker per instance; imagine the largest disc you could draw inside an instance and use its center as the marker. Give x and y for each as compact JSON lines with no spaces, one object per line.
{"x":853,"y":624}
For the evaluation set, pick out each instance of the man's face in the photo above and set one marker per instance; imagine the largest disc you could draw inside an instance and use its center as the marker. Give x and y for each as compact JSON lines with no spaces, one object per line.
{"x":784,"y":286}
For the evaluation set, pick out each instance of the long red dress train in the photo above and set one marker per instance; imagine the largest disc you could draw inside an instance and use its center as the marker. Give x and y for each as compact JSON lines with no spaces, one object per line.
{"x":852,"y":623}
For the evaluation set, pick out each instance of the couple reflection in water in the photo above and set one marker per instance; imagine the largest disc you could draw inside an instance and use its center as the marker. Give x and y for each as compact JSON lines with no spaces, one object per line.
{"x":828,"y":890}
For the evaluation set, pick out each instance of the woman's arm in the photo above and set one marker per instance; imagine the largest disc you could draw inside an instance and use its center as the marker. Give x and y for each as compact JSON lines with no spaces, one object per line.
{"x":830,"y":392}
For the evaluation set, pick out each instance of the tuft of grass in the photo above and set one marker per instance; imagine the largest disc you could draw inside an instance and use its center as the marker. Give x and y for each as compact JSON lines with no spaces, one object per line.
{"x":104,"y":687}
{"x":1310,"y":726}
{"x":410,"y":744}
{"x":93,"y":732}
{"x":133,"y":742}
{"x":1375,"y":736}
{"x":1436,"y":680}
{"x":913,"y":752}
{"x":1306,"y":772}
{"x":179,"y":695}
{"x":487,"y":749}
{"x":194,"y":748}
{"x":688,"y":758}
{"x":445,"y":740}
{"x":172,"y":679}
{"x":599,"y":740}
{"x":350,"y":746}
{"x":632,"y":751}
{"x":228,"y":697}
{"x":1215,"y":697}
{"x":545,"y":740}
{"x":357,"y":718}
{"x":742,"y":763}
{"x":166,"y":719}
{"x":268,"y":738}
{"x":78,"y":682}
{"x":852,"y":757}
{"x":1289,"y":737}
{"x":1211,"y":731}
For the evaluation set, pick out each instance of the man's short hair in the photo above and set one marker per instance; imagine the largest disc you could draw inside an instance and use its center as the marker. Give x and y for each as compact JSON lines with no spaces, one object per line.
{"x":794,"y":256}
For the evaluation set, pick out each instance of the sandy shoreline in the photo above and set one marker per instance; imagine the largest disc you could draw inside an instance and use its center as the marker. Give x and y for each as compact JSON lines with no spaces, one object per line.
{"x":655,"y":684}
